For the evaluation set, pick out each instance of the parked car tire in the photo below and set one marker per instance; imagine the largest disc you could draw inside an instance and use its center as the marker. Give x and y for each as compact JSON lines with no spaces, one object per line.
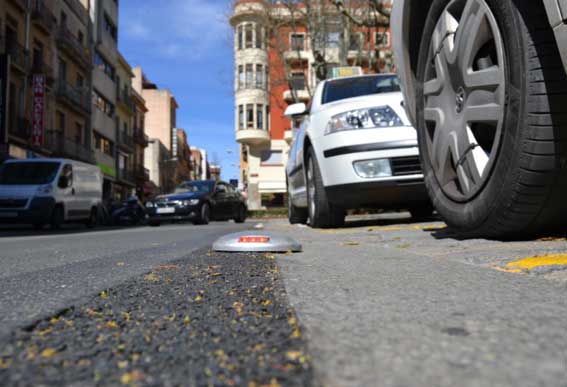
{"x":154,"y":223}
{"x":322,"y":214}
{"x":92,"y":222}
{"x":506,"y":87}
{"x":295,"y":214}
{"x":204,"y":214}
{"x":241,"y":214}
{"x":57,"y":217}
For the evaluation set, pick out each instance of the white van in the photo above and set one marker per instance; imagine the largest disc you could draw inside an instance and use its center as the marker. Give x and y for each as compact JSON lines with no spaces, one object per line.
{"x":49,"y":191}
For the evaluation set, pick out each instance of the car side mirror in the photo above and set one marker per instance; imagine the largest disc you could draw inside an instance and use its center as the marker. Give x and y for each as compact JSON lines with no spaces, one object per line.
{"x":295,"y":110}
{"x":63,"y":182}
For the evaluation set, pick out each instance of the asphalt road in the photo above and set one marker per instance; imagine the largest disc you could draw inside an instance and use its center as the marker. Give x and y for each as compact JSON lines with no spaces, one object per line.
{"x":42,"y":273}
{"x":392,"y":303}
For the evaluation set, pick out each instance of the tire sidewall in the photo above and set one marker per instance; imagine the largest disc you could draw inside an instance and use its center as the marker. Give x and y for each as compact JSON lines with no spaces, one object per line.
{"x":474,"y":213}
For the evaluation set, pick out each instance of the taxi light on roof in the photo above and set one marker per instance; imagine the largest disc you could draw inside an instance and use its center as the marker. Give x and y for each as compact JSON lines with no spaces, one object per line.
{"x":340,"y":72}
{"x":254,"y":239}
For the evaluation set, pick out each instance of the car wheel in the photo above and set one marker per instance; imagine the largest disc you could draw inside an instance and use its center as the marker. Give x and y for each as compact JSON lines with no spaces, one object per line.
{"x":241,"y":214}
{"x":93,"y":219}
{"x":57,"y":217}
{"x":204,"y":214}
{"x":154,"y":223}
{"x":322,"y":214}
{"x":492,"y":99}
{"x":295,"y":214}
{"x":38,"y":226}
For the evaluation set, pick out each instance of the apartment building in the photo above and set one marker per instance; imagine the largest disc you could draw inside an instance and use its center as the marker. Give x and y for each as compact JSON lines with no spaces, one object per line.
{"x":275,"y":67}
{"x":45,"y":76}
{"x":104,"y":17}
{"x":141,"y":139}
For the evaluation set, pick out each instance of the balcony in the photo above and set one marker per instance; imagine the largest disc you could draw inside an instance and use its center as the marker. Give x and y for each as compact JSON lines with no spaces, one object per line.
{"x":292,"y":56}
{"x":104,"y":124}
{"x":21,"y":4}
{"x":79,"y":9}
{"x":126,"y":176}
{"x":302,"y":96}
{"x":125,"y":100}
{"x":64,"y":147}
{"x":43,"y":67}
{"x":18,"y":56}
{"x":77,"y":98}
{"x":42,"y":16}
{"x":74,"y":47}
{"x":106,"y":163}
{"x":252,"y":137}
{"x":125,"y":141}
{"x":140,"y":137}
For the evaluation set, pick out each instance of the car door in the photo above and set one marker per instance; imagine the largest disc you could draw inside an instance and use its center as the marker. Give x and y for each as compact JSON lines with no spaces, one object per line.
{"x":67,"y":192}
{"x":232,"y":201}
{"x":220,"y":196}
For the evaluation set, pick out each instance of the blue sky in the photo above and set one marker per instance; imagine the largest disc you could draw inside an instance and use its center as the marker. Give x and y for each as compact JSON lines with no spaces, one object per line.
{"x":186,"y":46}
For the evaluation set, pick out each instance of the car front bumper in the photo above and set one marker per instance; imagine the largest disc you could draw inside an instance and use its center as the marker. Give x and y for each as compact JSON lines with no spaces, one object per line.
{"x":37,"y":212}
{"x":187,"y":213}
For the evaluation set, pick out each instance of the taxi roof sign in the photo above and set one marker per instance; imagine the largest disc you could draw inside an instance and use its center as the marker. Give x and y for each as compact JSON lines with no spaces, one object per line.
{"x":254,"y":241}
{"x":341,"y":72}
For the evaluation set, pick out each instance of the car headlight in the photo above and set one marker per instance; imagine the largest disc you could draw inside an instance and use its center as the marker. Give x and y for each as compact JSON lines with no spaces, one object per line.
{"x":192,"y":202}
{"x":378,"y":117}
{"x":44,"y":190}
{"x":150,"y":204}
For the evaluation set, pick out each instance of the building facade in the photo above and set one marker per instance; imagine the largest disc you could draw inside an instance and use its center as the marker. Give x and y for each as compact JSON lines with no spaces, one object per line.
{"x":276,"y":65}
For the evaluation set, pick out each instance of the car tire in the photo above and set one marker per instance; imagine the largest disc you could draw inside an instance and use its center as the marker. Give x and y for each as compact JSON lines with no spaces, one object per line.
{"x":517,"y":188}
{"x":92,"y":222}
{"x":57,"y":217}
{"x":204,"y":214}
{"x":296,"y":215}
{"x":241,"y":214}
{"x":322,"y":213}
{"x":154,"y":223}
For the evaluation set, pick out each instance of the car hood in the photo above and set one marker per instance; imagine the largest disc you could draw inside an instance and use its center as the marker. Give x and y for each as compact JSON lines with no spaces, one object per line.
{"x":181,"y":196}
{"x":17,"y":191}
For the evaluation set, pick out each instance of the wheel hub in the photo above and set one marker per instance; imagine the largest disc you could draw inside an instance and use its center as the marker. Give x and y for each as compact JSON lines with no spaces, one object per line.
{"x":460,"y":100}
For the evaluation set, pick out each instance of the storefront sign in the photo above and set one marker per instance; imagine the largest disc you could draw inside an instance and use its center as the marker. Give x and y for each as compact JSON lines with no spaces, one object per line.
{"x":38,"y":86}
{"x":4,"y":74}
{"x":107,"y":169}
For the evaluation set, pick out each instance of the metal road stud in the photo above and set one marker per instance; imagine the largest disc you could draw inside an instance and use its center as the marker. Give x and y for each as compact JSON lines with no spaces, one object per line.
{"x":256,"y":242}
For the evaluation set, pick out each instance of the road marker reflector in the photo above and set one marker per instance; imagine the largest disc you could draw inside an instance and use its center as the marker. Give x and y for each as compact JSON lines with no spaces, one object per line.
{"x":252,"y":241}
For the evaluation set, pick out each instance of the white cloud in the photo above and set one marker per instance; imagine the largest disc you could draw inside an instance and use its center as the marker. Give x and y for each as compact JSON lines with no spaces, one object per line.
{"x":182,"y":29}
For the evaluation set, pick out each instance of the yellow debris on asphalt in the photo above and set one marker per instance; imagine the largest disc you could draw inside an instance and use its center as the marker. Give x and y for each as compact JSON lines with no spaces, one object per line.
{"x":537,"y":261}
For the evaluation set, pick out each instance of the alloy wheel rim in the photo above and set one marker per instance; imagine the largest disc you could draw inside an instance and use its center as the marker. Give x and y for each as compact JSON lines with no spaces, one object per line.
{"x":311,"y":189}
{"x":464,"y":98}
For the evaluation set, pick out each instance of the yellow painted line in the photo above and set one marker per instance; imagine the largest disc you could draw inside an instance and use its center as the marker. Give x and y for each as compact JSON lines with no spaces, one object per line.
{"x":535,"y":262}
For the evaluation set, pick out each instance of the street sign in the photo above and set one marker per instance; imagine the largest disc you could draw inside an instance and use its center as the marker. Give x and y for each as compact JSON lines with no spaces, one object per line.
{"x":256,"y":241}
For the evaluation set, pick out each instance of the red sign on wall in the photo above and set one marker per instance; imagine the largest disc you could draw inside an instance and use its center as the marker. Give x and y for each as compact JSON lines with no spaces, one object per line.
{"x":38,"y":109}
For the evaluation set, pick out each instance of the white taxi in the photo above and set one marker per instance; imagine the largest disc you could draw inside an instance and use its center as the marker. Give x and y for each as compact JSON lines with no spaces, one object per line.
{"x":354,"y":149}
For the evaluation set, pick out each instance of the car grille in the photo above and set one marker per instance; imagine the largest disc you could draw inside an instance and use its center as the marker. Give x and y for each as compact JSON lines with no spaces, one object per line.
{"x":406,"y":166}
{"x":13,"y":203}
{"x":165,"y":204}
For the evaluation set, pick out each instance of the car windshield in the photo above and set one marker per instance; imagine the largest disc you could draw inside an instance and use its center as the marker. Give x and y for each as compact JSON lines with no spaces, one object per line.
{"x":195,"y":186}
{"x":28,"y":173}
{"x":360,"y":86}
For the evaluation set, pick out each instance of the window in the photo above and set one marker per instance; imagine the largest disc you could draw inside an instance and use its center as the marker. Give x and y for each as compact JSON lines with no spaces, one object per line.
{"x":249,"y":76}
{"x":80,"y":81}
{"x":260,"y":116}
{"x":103,"y":144}
{"x":81,"y":37}
{"x":340,"y":89}
{"x":241,"y":77}
{"x":333,"y":39}
{"x":61,"y":121}
{"x":267,"y":78}
{"x":240,"y":36}
{"x":356,"y":40}
{"x":249,"y":35}
{"x":63,"y":20}
{"x":62,"y":70}
{"x":102,"y":104}
{"x":110,"y":27}
{"x":240,"y":117}
{"x":272,"y":157}
{"x":297,"y":42}
{"x":259,"y":76}
{"x":259,"y":37}
{"x":78,"y":133}
{"x":382,"y":39}
{"x":250,"y":116}
{"x":298,"y":81}
{"x":104,"y":66}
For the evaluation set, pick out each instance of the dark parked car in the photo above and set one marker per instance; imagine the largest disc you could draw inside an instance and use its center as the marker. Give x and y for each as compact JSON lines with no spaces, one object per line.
{"x":199,"y":202}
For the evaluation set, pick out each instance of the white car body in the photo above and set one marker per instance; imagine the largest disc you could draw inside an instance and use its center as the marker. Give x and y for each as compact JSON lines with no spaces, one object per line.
{"x":337,"y":152}
{"x":34,"y":203}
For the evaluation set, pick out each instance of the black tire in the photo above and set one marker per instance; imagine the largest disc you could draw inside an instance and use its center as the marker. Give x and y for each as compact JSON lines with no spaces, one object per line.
{"x":523,"y":193}
{"x":38,"y":226}
{"x":92,"y":222}
{"x":241,"y":214}
{"x":154,"y":223}
{"x":295,"y":214}
{"x":322,"y":213}
{"x":204,"y":214}
{"x":57,"y":217}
